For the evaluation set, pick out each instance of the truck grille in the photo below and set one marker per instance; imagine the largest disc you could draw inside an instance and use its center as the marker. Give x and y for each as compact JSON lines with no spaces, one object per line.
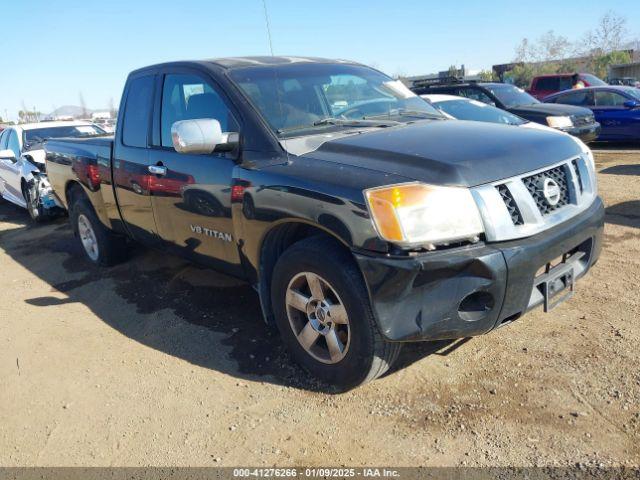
{"x":510,"y":203}
{"x":574,"y":163}
{"x":535,"y":185}
{"x":532,"y":202}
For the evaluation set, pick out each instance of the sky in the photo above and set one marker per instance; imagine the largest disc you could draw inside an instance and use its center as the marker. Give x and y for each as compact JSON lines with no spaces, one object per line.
{"x":54,"y":51}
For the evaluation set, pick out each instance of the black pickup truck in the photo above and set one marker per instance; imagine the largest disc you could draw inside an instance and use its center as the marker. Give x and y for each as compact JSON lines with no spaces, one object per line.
{"x":363,"y":218}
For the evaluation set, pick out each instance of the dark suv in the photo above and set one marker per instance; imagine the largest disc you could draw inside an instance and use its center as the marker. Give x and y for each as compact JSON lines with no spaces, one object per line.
{"x":576,"y":121}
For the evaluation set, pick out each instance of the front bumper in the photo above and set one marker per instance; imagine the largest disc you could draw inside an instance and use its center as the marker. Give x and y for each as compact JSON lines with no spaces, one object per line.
{"x":471,"y":290}
{"x":586,"y":133}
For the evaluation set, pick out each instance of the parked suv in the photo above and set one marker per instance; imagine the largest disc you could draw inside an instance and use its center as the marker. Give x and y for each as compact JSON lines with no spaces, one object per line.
{"x":361,"y":215}
{"x":576,"y":121}
{"x":544,"y":85}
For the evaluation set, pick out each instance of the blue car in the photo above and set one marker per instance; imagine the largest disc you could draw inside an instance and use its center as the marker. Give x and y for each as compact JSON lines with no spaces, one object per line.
{"x":616,"y":108}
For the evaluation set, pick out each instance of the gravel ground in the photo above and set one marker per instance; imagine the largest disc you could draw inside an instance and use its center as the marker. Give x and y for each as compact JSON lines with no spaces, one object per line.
{"x":158,"y":362}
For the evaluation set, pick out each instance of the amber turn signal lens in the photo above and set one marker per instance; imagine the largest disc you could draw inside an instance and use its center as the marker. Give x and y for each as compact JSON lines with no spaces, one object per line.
{"x":384,"y":202}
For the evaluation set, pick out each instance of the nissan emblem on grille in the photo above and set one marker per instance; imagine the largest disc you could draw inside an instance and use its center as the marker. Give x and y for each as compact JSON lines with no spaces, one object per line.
{"x":551,"y":191}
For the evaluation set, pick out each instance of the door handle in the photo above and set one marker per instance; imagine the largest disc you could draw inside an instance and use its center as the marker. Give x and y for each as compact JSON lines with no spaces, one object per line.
{"x":158,"y":169}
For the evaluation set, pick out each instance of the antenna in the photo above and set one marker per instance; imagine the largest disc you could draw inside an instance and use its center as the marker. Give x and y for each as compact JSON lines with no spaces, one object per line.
{"x":275,"y":75}
{"x":266,"y":17}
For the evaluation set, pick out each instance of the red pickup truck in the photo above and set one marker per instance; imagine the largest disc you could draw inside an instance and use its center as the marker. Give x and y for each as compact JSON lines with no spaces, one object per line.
{"x":545,"y":85}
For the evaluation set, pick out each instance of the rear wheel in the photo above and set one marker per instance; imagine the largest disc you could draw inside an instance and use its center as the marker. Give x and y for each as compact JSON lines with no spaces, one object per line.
{"x":323,"y":313}
{"x":100,"y":245}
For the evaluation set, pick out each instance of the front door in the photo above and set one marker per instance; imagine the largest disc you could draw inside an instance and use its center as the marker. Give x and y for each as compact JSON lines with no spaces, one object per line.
{"x":10,"y":169}
{"x":131,"y":175}
{"x":191,"y":196}
{"x":610,"y":111}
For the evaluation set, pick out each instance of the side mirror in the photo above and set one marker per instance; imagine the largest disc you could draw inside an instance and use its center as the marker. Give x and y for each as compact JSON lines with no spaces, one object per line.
{"x":201,"y":136}
{"x":632,"y":104}
{"x":7,"y":155}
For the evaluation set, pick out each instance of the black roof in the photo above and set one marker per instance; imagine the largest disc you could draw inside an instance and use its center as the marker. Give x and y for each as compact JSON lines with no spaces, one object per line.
{"x":230,"y":63}
{"x":267,"y":61}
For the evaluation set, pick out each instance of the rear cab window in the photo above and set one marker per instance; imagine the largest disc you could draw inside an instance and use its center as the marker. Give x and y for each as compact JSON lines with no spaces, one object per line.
{"x":137,"y":112}
{"x":548,"y":83}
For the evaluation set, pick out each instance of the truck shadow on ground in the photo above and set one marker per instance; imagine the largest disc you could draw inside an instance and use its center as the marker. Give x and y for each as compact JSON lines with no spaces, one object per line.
{"x":615,"y":145}
{"x":230,"y":335}
{"x":622,"y":170}
{"x":626,"y":214}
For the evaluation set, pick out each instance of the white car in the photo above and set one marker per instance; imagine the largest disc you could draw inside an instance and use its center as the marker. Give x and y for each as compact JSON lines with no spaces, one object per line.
{"x":461,"y":108}
{"x":23,"y":179}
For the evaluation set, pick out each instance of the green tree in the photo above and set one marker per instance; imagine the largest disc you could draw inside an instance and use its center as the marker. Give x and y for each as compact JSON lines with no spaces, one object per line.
{"x":487,"y":76}
{"x":599,"y":64}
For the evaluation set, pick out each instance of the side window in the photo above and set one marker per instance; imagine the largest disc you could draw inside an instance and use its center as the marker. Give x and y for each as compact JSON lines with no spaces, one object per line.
{"x":609,"y":99}
{"x":476,"y":94}
{"x":137,"y":112}
{"x":189,"y":97}
{"x":576,"y":97}
{"x":13,"y":143}
{"x":4,"y":135}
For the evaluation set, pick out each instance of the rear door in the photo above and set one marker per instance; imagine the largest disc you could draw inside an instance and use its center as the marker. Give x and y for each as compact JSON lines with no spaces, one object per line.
{"x":131,"y":176}
{"x":613,"y":116}
{"x":192,"y":198}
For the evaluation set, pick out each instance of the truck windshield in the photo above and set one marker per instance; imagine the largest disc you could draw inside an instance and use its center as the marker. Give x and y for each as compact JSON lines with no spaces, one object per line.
{"x":303,"y":98}
{"x":38,"y":135}
{"x":512,"y":96}
{"x":592,"y":79}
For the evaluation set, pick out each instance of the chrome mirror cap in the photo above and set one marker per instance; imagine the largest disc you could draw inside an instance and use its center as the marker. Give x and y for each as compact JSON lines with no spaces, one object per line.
{"x":201,"y":136}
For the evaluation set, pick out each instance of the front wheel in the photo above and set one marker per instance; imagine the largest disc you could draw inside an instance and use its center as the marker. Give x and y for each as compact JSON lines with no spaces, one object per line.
{"x":34,"y":206}
{"x":323,"y":313}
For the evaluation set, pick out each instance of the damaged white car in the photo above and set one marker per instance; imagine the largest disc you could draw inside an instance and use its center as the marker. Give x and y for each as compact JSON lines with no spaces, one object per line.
{"x":23,"y":177}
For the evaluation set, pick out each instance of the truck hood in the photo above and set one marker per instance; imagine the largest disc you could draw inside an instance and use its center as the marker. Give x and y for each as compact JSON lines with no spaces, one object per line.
{"x":549,"y":109}
{"x":450,"y":152}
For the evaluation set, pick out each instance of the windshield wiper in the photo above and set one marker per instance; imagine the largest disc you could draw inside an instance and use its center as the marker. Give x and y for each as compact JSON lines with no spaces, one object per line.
{"x":406,"y":113}
{"x":364,"y":122}
{"x":342,"y":123}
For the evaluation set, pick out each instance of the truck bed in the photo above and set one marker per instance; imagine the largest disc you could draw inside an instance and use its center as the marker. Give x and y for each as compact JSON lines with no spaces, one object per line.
{"x":84,"y":160}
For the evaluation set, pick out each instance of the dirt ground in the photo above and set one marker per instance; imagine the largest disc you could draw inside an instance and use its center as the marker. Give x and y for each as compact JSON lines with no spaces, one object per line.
{"x":158,"y":362}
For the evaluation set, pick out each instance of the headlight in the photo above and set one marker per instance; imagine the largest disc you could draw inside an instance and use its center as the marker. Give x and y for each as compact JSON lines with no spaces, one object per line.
{"x":587,"y":154}
{"x":420,"y":214}
{"x":559,"y":122}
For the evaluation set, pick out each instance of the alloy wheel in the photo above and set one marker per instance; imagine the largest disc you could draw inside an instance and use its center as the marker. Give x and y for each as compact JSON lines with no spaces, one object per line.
{"x":88,"y":237}
{"x":318,"y":317}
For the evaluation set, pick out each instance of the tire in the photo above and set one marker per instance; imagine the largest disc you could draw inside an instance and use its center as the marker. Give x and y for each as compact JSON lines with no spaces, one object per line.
{"x":248,"y":207}
{"x":100,"y":245}
{"x":36,"y":212}
{"x":363,"y":354}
